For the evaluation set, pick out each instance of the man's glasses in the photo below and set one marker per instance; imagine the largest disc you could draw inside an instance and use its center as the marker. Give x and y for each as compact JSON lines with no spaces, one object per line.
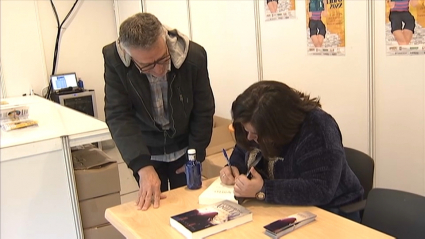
{"x":162,"y":61}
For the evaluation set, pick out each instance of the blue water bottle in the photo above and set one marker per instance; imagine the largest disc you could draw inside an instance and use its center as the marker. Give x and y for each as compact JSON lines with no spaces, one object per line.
{"x":193,"y":171}
{"x":80,"y":83}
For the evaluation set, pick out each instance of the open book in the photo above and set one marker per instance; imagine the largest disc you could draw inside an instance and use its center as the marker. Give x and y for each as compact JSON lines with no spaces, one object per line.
{"x":209,"y":220}
{"x":217,"y":192}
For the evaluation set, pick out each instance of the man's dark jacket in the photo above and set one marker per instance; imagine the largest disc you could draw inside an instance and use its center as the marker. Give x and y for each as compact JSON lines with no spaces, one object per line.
{"x":128,"y":104}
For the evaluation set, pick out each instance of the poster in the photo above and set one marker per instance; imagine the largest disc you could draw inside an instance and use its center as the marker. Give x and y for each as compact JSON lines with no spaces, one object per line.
{"x":279,"y":9}
{"x":405,"y":27}
{"x":325,"y":27}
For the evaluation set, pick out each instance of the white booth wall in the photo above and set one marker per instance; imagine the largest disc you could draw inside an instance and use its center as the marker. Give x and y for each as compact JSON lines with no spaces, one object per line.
{"x":341,"y":82}
{"x":378,"y":113}
{"x":28,"y":33}
{"x":228,"y":31}
{"x":400,"y":121}
{"x":22,"y":56}
{"x":230,"y":45}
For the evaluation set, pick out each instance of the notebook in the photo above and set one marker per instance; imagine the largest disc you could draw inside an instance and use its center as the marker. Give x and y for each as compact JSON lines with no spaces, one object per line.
{"x":64,"y":82}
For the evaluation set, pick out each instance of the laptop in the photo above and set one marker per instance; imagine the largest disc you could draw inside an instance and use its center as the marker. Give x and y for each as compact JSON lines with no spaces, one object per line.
{"x":64,"y":83}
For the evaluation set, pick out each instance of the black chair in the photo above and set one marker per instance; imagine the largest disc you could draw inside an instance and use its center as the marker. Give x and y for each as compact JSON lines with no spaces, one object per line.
{"x":396,"y":213}
{"x":363,"y":167}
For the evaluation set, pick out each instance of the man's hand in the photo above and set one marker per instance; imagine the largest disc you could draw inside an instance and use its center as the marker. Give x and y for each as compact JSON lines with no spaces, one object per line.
{"x":149,"y":189}
{"x":247,"y":188}
{"x":226,"y":175}
{"x":182,"y":169}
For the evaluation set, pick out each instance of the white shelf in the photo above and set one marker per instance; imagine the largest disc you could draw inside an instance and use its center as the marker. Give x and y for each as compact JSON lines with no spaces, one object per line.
{"x":37,"y":174}
{"x":54,"y":121}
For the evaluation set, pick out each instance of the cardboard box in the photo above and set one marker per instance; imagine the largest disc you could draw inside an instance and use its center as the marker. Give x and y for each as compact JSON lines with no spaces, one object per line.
{"x":127,"y":181}
{"x":221,"y":139}
{"x":90,"y":157}
{"x":106,"y":231}
{"x":93,"y":210}
{"x":95,"y":174}
{"x":214,"y":163}
{"x":97,"y":182}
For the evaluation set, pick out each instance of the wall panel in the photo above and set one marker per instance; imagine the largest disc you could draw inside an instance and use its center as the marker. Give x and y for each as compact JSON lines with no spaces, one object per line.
{"x":126,"y":8}
{"x":227,"y":31}
{"x":172,"y":13}
{"x":340,"y":81}
{"x":90,"y":27}
{"x":400,"y":121}
{"x":22,"y":54}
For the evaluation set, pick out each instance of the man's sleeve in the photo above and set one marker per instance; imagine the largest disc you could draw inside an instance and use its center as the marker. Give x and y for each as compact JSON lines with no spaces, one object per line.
{"x":121,"y":119}
{"x":201,"y":121}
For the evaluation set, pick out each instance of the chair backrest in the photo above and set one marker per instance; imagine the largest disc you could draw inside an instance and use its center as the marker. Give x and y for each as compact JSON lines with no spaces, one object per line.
{"x":396,"y":213}
{"x":362,"y":166}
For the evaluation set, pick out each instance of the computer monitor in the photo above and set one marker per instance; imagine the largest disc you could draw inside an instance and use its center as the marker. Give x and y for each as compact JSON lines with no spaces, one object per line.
{"x":85,"y":102}
{"x":63,"y":81}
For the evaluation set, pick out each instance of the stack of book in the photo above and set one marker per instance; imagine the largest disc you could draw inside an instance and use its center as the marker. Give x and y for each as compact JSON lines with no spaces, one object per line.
{"x":288,"y":224}
{"x":15,"y":117}
{"x":209,"y":220}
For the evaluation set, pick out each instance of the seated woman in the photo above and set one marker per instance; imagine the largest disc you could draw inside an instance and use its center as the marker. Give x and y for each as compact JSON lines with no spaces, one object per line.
{"x":300,"y":146}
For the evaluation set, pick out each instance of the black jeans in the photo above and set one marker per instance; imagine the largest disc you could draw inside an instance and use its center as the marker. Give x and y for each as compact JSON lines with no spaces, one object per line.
{"x":167,"y":174}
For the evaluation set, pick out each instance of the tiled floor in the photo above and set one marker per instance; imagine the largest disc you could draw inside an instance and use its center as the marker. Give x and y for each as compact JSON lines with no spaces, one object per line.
{"x":129,"y":186}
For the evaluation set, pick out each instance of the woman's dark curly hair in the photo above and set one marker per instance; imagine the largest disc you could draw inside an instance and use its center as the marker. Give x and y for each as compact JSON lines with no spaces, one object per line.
{"x":275,"y":110}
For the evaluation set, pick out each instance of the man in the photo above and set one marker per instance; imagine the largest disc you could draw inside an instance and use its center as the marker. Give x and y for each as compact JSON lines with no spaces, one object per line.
{"x":158,"y":103}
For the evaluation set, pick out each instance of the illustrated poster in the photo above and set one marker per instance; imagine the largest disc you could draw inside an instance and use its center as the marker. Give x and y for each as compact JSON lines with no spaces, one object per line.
{"x":325,"y":27}
{"x":279,"y":9}
{"x":405,"y":27}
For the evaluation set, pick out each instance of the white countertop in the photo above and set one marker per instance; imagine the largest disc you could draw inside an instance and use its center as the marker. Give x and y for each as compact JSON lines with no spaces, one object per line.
{"x":54,"y":121}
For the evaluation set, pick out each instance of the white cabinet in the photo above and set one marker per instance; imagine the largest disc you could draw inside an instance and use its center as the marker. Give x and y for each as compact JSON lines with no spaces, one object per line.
{"x":38,"y":194}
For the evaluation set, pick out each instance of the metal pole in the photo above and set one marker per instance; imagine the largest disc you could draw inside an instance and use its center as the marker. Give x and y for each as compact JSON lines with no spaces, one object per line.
{"x":371,"y":79}
{"x":72,"y":186}
{"x":258,"y":39}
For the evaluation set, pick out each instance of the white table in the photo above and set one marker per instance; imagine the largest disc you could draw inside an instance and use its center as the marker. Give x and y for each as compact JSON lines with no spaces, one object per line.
{"x":38,"y":193}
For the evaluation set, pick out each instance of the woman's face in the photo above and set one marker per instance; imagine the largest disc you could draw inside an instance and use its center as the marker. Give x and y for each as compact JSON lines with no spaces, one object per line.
{"x":252,"y":133}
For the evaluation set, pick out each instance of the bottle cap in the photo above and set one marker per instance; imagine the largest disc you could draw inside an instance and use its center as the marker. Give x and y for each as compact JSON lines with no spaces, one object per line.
{"x":191,"y":151}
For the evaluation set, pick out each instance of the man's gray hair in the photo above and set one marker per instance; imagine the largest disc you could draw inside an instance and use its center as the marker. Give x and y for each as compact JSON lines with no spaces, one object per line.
{"x":140,"y":30}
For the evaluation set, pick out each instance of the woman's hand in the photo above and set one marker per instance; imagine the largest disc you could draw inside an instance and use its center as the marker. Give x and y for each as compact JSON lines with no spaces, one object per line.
{"x":228,"y":177}
{"x":247,"y":188}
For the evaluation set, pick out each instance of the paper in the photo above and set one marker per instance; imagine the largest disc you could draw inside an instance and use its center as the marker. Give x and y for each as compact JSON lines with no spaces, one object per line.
{"x":217,"y":192}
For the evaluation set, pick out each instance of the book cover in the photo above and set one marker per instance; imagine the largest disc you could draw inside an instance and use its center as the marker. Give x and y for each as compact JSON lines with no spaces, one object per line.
{"x":286,"y":225}
{"x":217,"y":192}
{"x":14,"y":113}
{"x":209,"y":220}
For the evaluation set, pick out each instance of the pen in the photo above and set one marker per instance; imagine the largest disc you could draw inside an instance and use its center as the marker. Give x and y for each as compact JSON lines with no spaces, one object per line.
{"x":228,"y":161}
{"x":248,"y":175}
{"x":256,"y":161}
